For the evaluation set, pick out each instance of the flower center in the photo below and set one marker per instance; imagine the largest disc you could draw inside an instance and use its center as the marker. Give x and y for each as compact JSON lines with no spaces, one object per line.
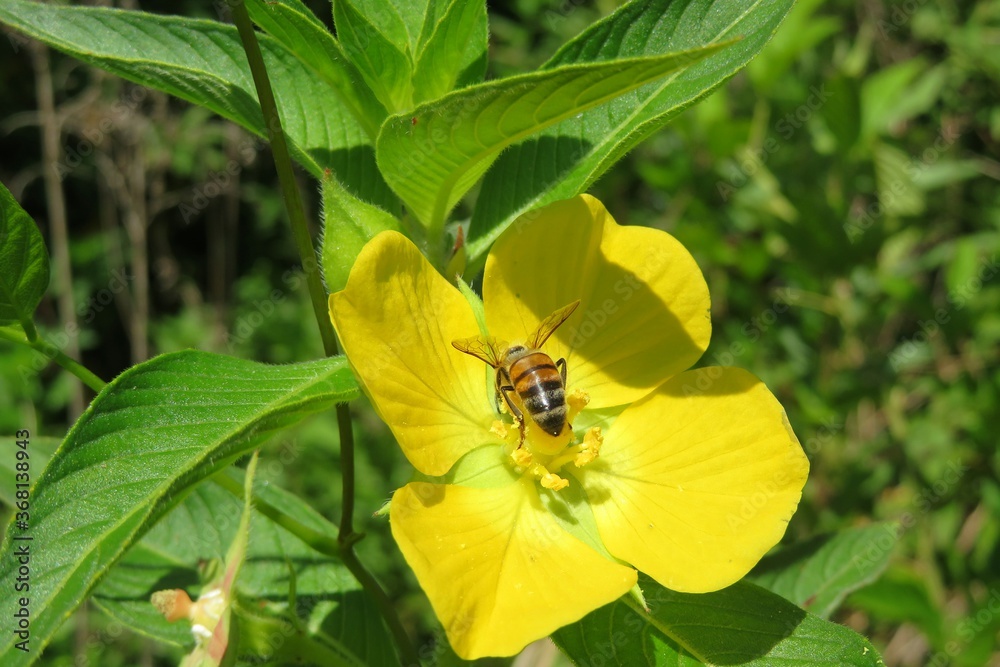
{"x":541,"y":455}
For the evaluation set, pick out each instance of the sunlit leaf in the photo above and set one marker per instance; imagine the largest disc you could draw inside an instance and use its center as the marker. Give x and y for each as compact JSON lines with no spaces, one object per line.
{"x":818,"y":574}
{"x":156,"y":430}
{"x":566,"y":159}
{"x":739,"y":625}
{"x":432,"y":156}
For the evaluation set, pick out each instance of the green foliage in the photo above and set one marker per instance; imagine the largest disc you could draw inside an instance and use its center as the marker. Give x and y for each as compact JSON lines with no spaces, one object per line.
{"x":582,"y":149}
{"x":296,"y":28}
{"x":24,"y":264}
{"x":203,"y":62}
{"x":739,"y":625}
{"x":156,"y":431}
{"x":818,"y":574}
{"x":838,"y":197}
{"x":433,"y":156}
{"x":348,"y":223}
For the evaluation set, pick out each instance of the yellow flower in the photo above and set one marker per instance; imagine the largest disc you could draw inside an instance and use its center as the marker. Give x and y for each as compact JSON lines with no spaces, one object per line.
{"x":689,"y":476}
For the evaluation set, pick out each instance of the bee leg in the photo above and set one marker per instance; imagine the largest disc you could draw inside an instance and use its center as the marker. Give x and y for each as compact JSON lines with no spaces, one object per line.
{"x":504,"y":389}
{"x":561,"y":365}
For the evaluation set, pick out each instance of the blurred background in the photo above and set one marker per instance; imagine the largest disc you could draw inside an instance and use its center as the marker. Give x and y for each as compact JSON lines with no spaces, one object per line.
{"x":841,"y":196}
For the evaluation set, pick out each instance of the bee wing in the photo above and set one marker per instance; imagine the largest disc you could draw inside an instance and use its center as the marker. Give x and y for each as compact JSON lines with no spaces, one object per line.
{"x":550,"y":324}
{"x":487,"y":349}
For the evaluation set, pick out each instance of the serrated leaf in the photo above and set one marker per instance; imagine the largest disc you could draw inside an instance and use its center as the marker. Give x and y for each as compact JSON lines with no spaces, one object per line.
{"x":203,"y":62}
{"x":739,"y":625}
{"x":566,"y":159}
{"x":24,"y":264}
{"x":818,"y":574}
{"x":454,"y":50}
{"x":199,"y":529}
{"x":432,"y":156}
{"x":377,"y":42}
{"x":292,"y":24}
{"x":348,"y":224}
{"x":155,"y":431}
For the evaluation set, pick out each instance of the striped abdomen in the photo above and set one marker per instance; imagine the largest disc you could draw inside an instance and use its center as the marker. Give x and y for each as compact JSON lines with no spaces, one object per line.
{"x":539,"y":384}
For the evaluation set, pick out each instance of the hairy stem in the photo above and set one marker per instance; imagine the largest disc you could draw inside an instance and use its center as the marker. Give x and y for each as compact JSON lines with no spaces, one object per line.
{"x":300,"y":230}
{"x":286,"y":176}
{"x":88,"y":377}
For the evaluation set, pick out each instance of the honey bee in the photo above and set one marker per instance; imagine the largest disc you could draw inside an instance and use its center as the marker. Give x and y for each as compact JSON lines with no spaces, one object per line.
{"x":524,"y":369}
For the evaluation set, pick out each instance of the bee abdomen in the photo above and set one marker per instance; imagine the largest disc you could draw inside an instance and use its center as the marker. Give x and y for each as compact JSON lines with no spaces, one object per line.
{"x":539,"y":384}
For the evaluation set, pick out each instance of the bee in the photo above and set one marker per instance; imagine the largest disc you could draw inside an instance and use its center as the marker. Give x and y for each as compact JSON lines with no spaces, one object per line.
{"x":524,"y":369}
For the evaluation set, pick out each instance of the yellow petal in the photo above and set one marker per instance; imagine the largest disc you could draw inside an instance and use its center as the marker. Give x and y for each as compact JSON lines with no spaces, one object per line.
{"x":697,"y":481}
{"x":499,"y":571}
{"x":644,"y":306}
{"x":396,"y":319}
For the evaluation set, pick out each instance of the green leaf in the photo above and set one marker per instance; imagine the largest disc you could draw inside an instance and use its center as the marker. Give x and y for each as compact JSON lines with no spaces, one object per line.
{"x":155,"y":431}
{"x":894,"y":173}
{"x":348,"y":224}
{"x":293,"y":25}
{"x":200,"y":528}
{"x":225,"y":632}
{"x":902,"y":596}
{"x":739,"y":625}
{"x":24,"y":264}
{"x":454,"y":51}
{"x":203,"y":62}
{"x":818,"y":574}
{"x":433,"y":156}
{"x":377,"y":42}
{"x":566,"y":159}
{"x":896,"y":94}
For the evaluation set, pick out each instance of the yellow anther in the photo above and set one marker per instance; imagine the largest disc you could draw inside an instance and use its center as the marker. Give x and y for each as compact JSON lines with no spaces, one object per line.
{"x":576,"y":400}
{"x":554,"y":482}
{"x":499,"y":429}
{"x":522,"y":457}
{"x":591,"y":447}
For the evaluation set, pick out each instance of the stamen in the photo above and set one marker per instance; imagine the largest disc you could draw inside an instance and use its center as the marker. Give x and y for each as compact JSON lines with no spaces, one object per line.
{"x":576,"y":401}
{"x":591,"y":447}
{"x":499,"y":429}
{"x":521,"y":457}
{"x":554,"y":482}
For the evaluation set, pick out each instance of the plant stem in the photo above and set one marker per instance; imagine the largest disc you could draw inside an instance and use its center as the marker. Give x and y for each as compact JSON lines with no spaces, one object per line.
{"x":407,"y":653}
{"x":326,"y":545}
{"x":286,"y":176}
{"x":88,"y":377}
{"x":56,"y":201}
{"x":319,"y":541}
{"x":303,"y":240}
